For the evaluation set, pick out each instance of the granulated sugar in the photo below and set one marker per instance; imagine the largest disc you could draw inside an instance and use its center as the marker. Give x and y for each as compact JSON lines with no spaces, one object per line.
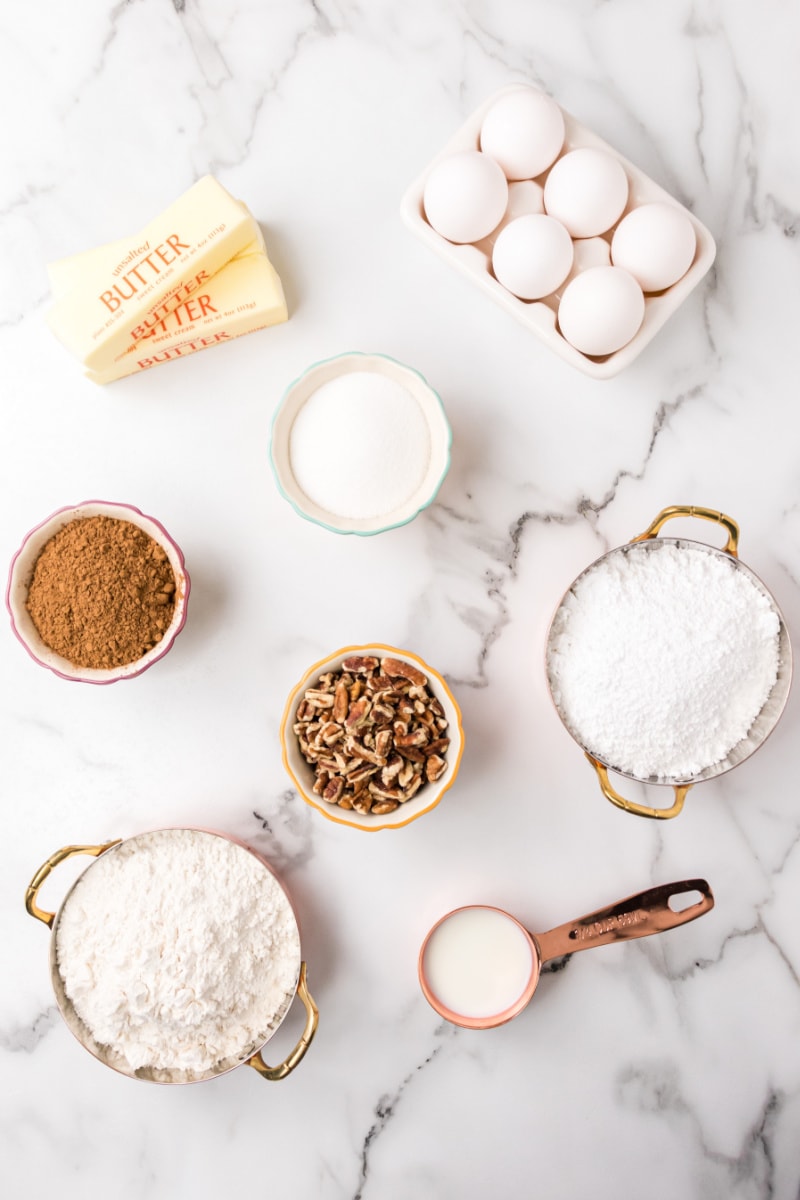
{"x":179,"y":950}
{"x":360,"y":446}
{"x":661,"y":657}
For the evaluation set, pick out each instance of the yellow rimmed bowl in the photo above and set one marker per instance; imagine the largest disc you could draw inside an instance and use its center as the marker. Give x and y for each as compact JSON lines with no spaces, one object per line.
{"x":302,"y":774}
{"x":21,"y":573}
{"x":765,"y":721}
{"x":251,"y":1056}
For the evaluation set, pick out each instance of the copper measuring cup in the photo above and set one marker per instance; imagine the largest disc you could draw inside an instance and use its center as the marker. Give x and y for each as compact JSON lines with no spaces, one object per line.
{"x":775,"y":703}
{"x":116,"y":1061}
{"x":634,"y":917}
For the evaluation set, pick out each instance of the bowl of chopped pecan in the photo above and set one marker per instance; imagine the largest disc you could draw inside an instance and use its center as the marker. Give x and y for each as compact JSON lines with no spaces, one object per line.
{"x":372,"y":737}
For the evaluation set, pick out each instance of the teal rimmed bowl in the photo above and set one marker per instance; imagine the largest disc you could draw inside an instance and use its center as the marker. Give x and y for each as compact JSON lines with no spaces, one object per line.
{"x":324,"y":372}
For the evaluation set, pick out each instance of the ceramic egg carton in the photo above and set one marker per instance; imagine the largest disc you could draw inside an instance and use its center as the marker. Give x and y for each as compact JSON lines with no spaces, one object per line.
{"x":526,"y":196}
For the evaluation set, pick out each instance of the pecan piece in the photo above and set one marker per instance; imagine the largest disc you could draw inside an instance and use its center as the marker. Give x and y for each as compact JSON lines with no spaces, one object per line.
{"x":318,"y":699}
{"x":439,"y":746}
{"x":353,"y":746}
{"x":412,"y":789}
{"x":358,"y":713}
{"x":435,"y":767}
{"x":320,"y":783}
{"x":418,"y":737}
{"x":406,"y":775}
{"x":362,"y":803}
{"x":383,"y":793}
{"x":381,"y":807}
{"x":403,"y":670}
{"x":383,"y":742}
{"x":341,"y":701}
{"x":362,"y":772}
{"x":392,"y":769}
{"x":358,"y":665}
{"x":333,"y":791}
{"x":331,"y":733}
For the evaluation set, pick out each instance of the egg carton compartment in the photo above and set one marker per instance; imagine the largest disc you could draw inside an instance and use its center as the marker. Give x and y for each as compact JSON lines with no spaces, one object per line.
{"x":474,"y":260}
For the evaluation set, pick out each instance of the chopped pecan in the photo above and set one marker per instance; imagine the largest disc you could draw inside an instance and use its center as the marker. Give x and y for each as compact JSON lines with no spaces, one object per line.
{"x":439,"y":746}
{"x":361,"y":773}
{"x":318,"y":699}
{"x":341,"y":701}
{"x":331,"y":733}
{"x":403,"y":670}
{"x":358,"y":713}
{"x":412,"y":789}
{"x":406,"y":775}
{"x":418,"y":737}
{"x":383,"y":741}
{"x":362,"y":803}
{"x":354,"y":746}
{"x":360,"y":665}
{"x":381,"y":807}
{"x":435,"y":767}
{"x":393,"y":768}
{"x":333,"y":791}
{"x":320,"y":783}
{"x":377,"y":789}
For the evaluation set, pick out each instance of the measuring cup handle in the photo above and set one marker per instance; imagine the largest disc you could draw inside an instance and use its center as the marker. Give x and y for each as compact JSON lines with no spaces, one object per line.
{"x":638,"y":810}
{"x":634,"y":917}
{"x":705,"y":514}
{"x":307,"y":1036}
{"x":53,"y":861}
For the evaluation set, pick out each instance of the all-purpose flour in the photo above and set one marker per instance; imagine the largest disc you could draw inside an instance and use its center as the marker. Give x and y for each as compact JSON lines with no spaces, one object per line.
{"x":661,"y":657}
{"x":179,"y":950}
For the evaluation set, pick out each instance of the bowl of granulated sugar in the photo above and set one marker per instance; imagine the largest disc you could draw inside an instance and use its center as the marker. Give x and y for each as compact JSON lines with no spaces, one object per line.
{"x":668,"y":661}
{"x":97,"y":592}
{"x":360,"y":444}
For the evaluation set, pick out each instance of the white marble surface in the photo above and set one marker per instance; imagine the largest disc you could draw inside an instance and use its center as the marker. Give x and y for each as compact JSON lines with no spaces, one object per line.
{"x":664,"y":1068}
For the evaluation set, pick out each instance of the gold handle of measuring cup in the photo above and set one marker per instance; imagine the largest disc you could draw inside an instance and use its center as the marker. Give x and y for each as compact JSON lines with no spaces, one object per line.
{"x":638,"y":810}
{"x":298,"y":1054}
{"x":705,"y":514}
{"x":53,"y":861}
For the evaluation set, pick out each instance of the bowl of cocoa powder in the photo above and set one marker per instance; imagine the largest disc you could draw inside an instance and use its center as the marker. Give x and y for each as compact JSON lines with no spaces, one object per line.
{"x":97,"y":592}
{"x":372,"y":737}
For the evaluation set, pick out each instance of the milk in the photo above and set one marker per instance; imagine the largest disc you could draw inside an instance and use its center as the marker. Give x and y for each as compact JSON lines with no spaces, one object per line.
{"x":478,"y":962}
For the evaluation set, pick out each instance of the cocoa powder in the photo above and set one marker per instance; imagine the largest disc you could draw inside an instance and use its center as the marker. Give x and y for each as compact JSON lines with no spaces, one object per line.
{"x":102,"y":592}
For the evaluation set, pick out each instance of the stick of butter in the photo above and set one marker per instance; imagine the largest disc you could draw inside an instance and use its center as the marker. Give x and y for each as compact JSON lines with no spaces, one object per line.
{"x":245,"y":295}
{"x":67,"y":274}
{"x":179,"y":250}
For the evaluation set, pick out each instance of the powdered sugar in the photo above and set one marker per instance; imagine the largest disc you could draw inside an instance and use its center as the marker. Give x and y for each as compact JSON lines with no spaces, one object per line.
{"x":360,"y":445}
{"x":661,"y":657}
{"x":179,"y":950}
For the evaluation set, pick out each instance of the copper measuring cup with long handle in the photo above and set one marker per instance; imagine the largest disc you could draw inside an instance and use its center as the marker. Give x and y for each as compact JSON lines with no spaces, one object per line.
{"x":636,"y":916}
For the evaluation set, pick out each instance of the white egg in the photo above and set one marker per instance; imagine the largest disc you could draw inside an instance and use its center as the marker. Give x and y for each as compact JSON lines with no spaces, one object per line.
{"x":601,"y":310}
{"x":532,"y":256}
{"x":586,"y":191}
{"x":465,"y":196}
{"x":656,"y":243}
{"x":523,"y":131}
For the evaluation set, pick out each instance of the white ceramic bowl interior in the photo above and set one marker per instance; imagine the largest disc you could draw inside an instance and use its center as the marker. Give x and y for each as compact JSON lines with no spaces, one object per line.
{"x":21,"y":572}
{"x":475,"y":260}
{"x":302,"y":773}
{"x":332,"y":368}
